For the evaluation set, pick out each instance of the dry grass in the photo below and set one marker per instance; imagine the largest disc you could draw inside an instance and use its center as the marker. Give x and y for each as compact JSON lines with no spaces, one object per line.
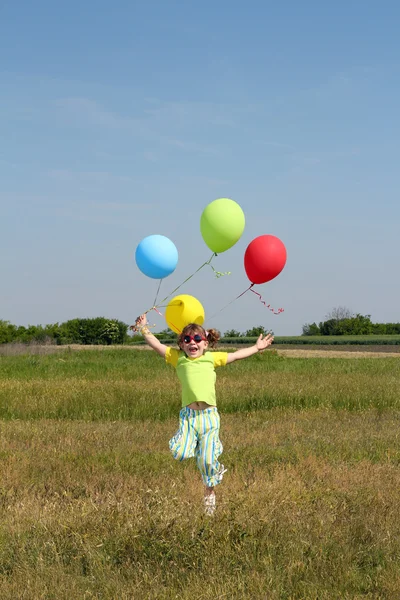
{"x":18,"y":349}
{"x":308,"y":509}
{"x":306,"y":351}
{"x":92,"y":505}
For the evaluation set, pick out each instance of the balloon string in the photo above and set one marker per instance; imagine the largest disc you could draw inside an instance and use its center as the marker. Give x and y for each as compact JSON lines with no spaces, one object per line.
{"x":276,"y":312}
{"x":250,"y":288}
{"x":208,"y":262}
{"x":136,"y":330}
{"x":154,"y":307}
{"x":161,"y":315}
{"x":218,"y":274}
{"x":229,"y":303}
{"x":155,"y":299}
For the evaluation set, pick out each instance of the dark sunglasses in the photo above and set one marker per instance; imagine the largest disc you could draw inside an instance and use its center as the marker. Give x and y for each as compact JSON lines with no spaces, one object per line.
{"x":196,"y":338}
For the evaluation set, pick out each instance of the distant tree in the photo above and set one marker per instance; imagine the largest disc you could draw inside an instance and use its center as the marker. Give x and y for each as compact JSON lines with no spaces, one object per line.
{"x":357,"y":325}
{"x":70,"y":332}
{"x":386,"y":328}
{"x":329,"y":327}
{"x":166,"y":334}
{"x":232,"y":333}
{"x":33,"y":333}
{"x":339,"y":313}
{"x":8,"y":332}
{"x":311,"y":329}
{"x":256,"y":331}
{"x":96,"y":331}
{"x":109,"y":333}
{"x":340,"y":321}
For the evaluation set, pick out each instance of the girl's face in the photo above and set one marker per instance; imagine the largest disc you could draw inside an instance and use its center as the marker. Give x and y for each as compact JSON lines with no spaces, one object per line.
{"x":194,"y":344}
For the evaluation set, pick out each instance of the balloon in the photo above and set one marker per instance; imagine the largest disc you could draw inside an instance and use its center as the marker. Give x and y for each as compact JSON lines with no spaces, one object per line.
{"x":156,"y":256}
{"x":264,"y":258}
{"x":222,"y":224}
{"x":183,"y":310}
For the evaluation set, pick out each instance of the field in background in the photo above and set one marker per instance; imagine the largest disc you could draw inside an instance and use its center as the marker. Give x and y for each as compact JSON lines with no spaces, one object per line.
{"x":325,"y":340}
{"x":93,"y":506}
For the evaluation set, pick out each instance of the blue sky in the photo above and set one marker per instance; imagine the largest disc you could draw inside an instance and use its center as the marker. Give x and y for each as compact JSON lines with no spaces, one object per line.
{"x":125,"y":119}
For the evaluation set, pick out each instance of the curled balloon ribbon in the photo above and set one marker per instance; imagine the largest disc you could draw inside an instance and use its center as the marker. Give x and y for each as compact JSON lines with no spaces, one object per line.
{"x":218,"y":274}
{"x":276,"y":312}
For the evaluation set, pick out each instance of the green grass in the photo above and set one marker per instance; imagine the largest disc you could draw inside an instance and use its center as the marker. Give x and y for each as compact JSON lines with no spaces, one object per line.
{"x":132,"y":385}
{"x":92,"y":505}
{"x":311,"y":340}
{"x":339,"y":340}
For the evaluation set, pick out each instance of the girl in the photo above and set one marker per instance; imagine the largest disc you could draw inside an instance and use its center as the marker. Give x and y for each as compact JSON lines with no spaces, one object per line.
{"x":198,"y":433}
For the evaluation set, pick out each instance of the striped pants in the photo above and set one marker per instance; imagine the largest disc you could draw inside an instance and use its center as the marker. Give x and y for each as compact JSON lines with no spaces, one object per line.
{"x":198,"y":435}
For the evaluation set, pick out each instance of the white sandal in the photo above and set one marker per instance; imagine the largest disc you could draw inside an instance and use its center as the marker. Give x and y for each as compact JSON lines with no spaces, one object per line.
{"x":209,"y":504}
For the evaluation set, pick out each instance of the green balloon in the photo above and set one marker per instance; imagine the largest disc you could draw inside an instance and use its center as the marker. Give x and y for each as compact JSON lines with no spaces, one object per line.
{"x":222,"y":224}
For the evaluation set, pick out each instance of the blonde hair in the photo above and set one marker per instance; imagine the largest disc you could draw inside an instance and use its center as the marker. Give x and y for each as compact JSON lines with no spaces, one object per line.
{"x":211,"y":335}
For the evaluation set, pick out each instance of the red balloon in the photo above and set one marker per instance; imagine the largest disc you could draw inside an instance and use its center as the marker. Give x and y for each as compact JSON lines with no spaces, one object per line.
{"x":264,"y":258}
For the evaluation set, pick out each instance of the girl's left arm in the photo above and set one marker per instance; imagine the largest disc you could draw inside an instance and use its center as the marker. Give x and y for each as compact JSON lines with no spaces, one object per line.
{"x":261,"y":344}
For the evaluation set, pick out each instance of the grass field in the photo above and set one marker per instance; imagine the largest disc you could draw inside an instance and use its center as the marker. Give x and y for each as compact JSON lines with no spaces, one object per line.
{"x":92,"y":505}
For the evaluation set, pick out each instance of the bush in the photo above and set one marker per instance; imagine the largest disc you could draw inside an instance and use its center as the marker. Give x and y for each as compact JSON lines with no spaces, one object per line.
{"x":76,"y":331}
{"x":232,"y":333}
{"x":311,"y":329}
{"x":95,"y":331}
{"x":256,"y":331}
{"x":8,"y":332}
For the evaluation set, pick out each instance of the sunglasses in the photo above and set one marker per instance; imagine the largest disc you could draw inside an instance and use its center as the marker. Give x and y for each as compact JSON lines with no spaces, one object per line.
{"x":196,"y":338}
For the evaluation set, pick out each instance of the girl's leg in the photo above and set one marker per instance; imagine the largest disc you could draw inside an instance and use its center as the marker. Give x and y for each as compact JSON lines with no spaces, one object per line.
{"x":208,"y":450}
{"x":183,"y":443}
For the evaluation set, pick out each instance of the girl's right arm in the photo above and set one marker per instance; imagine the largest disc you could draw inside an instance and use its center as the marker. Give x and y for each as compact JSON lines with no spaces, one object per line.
{"x":151,"y":340}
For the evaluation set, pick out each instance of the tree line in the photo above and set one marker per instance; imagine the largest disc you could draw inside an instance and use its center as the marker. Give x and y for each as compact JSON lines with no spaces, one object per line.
{"x":98,"y":331}
{"x":94,"y":331}
{"x":103,"y":331}
{"x":341,"y":321}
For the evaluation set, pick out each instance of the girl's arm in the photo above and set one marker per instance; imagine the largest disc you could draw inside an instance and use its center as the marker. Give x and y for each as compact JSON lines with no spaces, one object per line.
{"x":151,"y":340}
{"x":260,"y":345}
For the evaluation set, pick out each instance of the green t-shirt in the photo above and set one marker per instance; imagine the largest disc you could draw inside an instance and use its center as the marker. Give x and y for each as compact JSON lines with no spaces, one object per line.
{"x":197,"y":375}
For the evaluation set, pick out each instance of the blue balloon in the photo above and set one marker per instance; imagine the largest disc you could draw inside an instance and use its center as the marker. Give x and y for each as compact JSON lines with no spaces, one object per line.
{"x":156,"y":256}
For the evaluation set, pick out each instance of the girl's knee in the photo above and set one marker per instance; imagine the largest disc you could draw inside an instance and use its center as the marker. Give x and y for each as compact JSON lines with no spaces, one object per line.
{"x":179,"y":449}
{"x":178,"y":454}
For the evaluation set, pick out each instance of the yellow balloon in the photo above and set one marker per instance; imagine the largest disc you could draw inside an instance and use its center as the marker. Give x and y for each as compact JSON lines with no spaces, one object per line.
{"x":183,"y":310}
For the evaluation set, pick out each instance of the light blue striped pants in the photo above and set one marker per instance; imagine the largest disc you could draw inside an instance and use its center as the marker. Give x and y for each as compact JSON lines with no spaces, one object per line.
{"x":198,"y":435}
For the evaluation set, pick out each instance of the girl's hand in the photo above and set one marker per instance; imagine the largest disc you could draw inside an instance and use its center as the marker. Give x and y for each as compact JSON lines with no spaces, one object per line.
{"x":259,"y":346}
{"x":150,"y":339}
{"x":141,"y":321}
{"x":263,"y":343}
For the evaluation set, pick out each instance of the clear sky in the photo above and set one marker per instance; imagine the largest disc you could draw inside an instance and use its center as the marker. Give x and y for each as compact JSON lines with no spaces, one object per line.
{"x":123,"y":119}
